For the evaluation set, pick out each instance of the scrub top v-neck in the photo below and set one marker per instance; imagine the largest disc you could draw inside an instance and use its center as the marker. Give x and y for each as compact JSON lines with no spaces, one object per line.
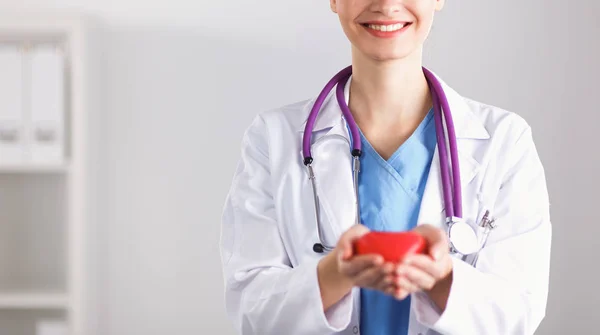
{"x":390,"y":193}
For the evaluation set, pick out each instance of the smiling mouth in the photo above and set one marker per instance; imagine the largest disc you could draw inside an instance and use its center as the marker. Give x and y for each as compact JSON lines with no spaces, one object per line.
{"x":386,"y":28}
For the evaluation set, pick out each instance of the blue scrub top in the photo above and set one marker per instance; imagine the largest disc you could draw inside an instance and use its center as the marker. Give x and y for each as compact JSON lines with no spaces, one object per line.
{"x":390,"y":194}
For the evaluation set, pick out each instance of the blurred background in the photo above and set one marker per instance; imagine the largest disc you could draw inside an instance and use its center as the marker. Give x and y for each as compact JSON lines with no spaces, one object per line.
{"x":111,"y":188}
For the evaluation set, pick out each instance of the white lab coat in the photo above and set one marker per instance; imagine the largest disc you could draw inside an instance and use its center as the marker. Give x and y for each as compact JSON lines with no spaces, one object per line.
{"x":269,"y":227}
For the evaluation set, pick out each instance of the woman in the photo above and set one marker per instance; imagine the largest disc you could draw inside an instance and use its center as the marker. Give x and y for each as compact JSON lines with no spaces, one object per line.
{"x":277,"y":284}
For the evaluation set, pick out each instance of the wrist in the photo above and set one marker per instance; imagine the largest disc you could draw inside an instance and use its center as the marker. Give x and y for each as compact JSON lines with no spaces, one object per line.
{"x":329,"y":271}
{"x":333,"y":285}
{"x":440,"y":292}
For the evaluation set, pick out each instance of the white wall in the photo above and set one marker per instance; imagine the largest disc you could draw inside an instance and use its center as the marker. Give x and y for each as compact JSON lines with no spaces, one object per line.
{"x":172,"y":65}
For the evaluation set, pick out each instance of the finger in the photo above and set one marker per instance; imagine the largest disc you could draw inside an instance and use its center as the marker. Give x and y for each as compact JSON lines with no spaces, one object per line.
{"x":404,"y":285}
{"x":346,"y":249}
{"x":347,"y":240}
{"x":424,"y":263}
{"x":387,"y":269}
{"x":400,"y":293}
{"x":439,"y":249}
{"x":436,"y":238}
{"x":369,"y":278}
{"x":386,"y":279}
{"x":359,"y":263}
{"x":417,"y":277}
{"x":386,"y":284}
{"x":438,"y":269}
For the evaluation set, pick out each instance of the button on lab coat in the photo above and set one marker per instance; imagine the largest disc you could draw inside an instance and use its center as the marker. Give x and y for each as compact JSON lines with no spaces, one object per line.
{"x":269,"y":227}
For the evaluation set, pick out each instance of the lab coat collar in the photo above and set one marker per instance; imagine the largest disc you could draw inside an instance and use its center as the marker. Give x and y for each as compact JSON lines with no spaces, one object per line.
{"x":467,"y":128}
{"x":466,"y":125}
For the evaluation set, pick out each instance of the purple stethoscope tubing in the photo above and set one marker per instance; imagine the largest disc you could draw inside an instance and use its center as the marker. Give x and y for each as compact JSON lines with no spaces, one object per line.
{"x":452,"y":201}
{"x":312,"y":117}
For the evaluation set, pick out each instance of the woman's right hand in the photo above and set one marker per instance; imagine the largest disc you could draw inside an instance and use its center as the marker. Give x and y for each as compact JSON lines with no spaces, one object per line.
{"x":366,"y":271}
{"x":342,"y":269}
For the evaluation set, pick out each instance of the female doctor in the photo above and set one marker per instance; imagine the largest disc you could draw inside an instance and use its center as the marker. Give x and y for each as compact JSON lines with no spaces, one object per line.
{"x":298,"y":200}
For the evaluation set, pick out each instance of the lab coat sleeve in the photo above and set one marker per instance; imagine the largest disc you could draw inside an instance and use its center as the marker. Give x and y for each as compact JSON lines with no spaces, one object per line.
{"x":264,"y":293}
{"x":506,"y":292}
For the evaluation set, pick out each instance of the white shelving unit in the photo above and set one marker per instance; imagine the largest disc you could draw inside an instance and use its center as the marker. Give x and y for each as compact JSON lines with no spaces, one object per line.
{"x":47,"y":205}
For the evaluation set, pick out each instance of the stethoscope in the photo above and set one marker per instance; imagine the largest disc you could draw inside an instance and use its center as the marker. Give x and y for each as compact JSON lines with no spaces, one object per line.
{"x":462,"y":237}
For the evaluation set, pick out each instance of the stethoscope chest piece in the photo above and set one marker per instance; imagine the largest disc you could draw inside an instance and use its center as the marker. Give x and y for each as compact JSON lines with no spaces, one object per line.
{"x":463,"y":238}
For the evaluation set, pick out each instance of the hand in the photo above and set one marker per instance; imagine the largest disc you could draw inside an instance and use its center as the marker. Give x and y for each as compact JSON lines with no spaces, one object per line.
{"x":431,"y":273}
{"x":366,"y":271}
{"x":341,"y":270}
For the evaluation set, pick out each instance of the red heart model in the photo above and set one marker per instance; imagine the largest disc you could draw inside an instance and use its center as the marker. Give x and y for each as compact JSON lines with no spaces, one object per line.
{"x":393,"y":246}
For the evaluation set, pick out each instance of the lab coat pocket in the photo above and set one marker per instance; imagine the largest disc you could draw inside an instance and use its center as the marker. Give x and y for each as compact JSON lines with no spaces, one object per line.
{"x":482,"y":233}
{"x":472,"y":258}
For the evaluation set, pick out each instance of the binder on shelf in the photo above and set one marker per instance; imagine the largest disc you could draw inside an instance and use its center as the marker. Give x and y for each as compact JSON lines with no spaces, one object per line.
{"x":46,"y":122}
{"x":12,"y":137}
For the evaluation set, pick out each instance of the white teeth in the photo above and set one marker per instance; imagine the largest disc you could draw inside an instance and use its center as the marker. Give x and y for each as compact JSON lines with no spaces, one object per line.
{"x":391,"y":27}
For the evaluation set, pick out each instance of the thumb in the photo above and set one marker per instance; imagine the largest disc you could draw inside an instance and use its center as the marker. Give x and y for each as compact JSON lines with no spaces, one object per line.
{"x":436,"y":238}
{"x":347,"y":240}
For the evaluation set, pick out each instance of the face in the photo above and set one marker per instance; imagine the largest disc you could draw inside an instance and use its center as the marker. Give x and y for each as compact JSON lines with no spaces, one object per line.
{"x":386,"y":30}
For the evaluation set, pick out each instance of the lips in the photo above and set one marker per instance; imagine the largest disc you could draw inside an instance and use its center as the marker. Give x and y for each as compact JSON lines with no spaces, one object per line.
{"x":386,"y":29}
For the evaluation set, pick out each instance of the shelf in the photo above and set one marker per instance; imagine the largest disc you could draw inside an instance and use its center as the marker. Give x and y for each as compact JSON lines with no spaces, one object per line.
{"x":33,"y":233}
{"x":30,"y":168}
{"x":29,"y":321}
{"x":33,"y":301}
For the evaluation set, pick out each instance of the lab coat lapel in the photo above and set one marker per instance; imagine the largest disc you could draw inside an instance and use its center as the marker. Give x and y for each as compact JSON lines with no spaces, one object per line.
{"x":332,"y":166}
{"x":432,"y":204}
{"x":432,"y":209}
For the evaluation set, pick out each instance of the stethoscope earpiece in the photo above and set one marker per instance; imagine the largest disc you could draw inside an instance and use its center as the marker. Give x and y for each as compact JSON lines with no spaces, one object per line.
{"x":318,"y":248}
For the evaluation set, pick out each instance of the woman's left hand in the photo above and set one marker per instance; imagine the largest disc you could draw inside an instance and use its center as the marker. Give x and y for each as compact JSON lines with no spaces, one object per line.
{"x":431,"y":273}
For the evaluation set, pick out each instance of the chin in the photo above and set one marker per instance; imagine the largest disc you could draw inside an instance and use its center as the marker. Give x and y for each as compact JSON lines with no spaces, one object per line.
{"x":389,"y":56}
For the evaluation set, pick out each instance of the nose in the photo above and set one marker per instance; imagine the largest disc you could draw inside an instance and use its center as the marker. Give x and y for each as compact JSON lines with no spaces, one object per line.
{"x":386,"y":7}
